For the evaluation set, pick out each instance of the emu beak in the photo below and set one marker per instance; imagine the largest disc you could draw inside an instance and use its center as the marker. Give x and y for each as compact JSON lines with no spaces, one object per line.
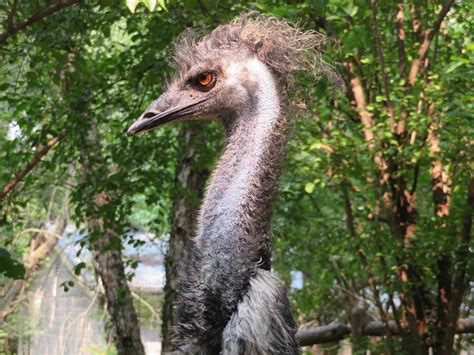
{"x":161,"y":111}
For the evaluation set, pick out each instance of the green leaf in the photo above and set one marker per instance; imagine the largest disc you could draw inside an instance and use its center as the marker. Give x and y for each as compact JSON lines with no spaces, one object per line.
{"x":79,"y":267}
{"x":453,"y":66}
{"x":309,"y":187}
{"x":150,"y":4}
{"x":350,"y":9}
{"x":162,"y":5}
{"x":66,"y":285}
{"x":132,"y":5}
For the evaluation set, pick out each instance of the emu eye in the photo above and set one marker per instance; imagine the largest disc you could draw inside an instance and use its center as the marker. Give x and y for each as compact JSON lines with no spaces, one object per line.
{"x":206,"y":80}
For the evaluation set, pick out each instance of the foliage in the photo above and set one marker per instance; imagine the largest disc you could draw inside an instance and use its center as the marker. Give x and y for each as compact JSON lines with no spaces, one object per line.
{"x":90,"y":69}
{"x":333,"y":167}
{"x":150,"y":4}
{"x":10,"y":267}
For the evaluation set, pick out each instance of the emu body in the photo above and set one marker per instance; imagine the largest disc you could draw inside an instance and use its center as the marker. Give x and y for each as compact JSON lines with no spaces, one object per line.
{"x":229,"y":301}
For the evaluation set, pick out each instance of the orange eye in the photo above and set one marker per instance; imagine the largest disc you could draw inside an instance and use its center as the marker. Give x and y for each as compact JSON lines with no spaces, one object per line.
{"x":205,"y":79}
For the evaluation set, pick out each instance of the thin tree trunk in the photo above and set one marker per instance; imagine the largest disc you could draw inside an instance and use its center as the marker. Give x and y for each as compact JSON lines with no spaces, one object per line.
{"x":441,"y":199}
{"x":109,"y":265}
{"x":425,"y":44}
{"x":189,"y":186}
{"x":444,"y":343}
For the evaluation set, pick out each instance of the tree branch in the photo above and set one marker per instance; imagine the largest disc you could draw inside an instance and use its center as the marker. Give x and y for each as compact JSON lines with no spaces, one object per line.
{"x":439,"y":178}
{"x":370,"y":276}
{"x":11,"y":14}
{"x":361,"y":104}
{"x":443,"y":298}
{"x":12,"y":29}
{"x":337,"y":331}
{"x":380,"y":58}
{"x":156,"y":315}
{"x":366,"y":118}
{"x":41,"y":152}
{"x":416,"y":173}
{"x":462,"y":255}
{"x":402,"y":57}
{"x":450,"y":293}
{"x":415,"y":21}
{"x":425,"y":44}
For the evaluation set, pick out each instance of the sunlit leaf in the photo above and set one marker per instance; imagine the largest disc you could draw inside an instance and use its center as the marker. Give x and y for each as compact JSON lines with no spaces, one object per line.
{"x":309,"y":187}
{"x":150,"y":4}
{"x":162,"y":4}
{"x":132,"y":5}
{"x":453,"y":66}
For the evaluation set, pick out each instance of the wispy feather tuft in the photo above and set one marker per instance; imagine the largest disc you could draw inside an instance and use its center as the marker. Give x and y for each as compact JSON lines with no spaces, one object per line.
{"x":284,"y":48}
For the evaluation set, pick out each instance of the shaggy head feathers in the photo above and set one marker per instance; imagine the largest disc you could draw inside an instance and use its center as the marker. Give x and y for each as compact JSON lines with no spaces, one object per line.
{"x":282,"y":47}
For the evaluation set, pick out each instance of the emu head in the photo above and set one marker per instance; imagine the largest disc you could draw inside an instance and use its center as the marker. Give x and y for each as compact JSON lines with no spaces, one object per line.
{"x":214,"y":76}
{"x":214,"y":87}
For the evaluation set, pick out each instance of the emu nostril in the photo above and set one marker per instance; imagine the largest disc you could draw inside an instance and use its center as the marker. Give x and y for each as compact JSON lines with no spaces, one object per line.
{"x":149,"y":115}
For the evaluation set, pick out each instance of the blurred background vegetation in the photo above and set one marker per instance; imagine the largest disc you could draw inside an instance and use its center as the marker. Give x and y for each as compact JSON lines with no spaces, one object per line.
{"x":377,"y":195}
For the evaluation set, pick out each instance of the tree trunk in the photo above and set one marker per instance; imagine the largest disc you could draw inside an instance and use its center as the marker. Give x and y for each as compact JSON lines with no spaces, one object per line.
{"x":444,"y":335}
{"x":358,"y":319}
{"x":189,"y":186}
{"x":106,"y":247}
{"x":109,"y":265}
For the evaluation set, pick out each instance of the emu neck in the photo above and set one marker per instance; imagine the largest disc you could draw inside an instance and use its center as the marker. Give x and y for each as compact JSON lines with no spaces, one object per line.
{"x":242,"y":188}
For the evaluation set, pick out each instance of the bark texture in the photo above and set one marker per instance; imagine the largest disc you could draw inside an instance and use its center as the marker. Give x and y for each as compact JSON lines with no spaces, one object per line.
{"x":109,"y":265}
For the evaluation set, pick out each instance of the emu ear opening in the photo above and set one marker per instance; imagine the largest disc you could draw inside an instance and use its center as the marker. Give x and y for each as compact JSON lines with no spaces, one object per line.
{"x":257,"y":45}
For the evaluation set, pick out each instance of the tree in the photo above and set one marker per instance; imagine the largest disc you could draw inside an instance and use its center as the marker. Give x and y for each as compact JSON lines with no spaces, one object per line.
{"x":381,"y":149}
{"x":74,"y":93}
{"x":377,"y":199}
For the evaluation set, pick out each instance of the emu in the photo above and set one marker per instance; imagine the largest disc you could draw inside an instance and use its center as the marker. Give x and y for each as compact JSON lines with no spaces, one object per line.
{"x":230,"y":302}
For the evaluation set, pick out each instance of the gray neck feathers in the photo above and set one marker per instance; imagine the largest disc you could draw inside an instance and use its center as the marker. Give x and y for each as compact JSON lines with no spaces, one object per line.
{"x":231,"y":246}
{"x":242,"y":188}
